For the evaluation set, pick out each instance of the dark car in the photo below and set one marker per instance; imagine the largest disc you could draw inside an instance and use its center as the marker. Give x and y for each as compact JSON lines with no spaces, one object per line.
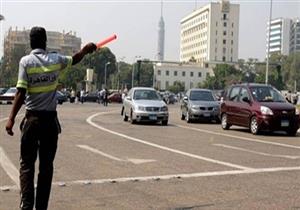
{"x":258,"y":107}
{"x":91,"y":97}
{"x":199,"y":104}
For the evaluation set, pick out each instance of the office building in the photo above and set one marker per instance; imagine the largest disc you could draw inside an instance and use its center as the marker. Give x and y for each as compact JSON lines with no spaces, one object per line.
{"x":211,"y":34}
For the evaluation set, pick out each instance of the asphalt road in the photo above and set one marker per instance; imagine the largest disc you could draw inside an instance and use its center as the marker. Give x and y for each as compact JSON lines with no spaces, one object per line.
{"x":105,"y":163}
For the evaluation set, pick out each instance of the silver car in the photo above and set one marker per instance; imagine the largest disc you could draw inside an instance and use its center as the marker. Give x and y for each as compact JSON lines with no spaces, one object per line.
{"x":144,"y":105}
{"x":200,"y":104}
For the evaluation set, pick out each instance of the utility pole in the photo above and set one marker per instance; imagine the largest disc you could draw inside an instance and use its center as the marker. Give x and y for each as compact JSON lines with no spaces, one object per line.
{"x":268,"y":51}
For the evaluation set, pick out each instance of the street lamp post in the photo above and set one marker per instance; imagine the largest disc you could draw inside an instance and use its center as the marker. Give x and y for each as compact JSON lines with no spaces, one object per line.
{"x":118,"y":68}
{"x":105,"y":69}
{"x":268,"y":51}
{"x":132,"y":76}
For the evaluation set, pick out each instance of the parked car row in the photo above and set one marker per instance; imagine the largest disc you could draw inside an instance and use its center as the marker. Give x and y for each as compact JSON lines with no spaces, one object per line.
{"x":258,"y":107}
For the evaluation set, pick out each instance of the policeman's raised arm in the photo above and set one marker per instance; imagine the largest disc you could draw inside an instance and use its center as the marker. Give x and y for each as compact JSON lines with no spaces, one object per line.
{"x":88,"y":48}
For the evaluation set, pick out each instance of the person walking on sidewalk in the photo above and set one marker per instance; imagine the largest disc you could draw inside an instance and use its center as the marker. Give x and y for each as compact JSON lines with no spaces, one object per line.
{"x":38,"y":76}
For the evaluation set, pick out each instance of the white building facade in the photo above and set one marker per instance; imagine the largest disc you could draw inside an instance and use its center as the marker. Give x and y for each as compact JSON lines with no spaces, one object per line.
{"x":279,"y":40}
{"x":295,"y":36}
{"x":211,"y":34}
{"x":190,"y":75}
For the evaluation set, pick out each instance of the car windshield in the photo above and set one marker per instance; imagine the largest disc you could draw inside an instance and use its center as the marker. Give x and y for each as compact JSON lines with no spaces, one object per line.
{"x":11,"y":90}
{"x":201,"y":96}
{"x":145,"y":95}
{"x":266,"y":94}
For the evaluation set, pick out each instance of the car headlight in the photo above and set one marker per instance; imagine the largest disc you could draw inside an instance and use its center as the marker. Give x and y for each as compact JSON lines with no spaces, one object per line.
{"x":195,"y":107}
{"x":266,"y":110}
{"x":141,"y":108}
{"x":164,"y":109}
{"x":297,"y":111}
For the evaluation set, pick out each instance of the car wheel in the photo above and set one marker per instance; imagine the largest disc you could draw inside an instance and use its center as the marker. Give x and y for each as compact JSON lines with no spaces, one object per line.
{"x":254,"y":126}
{"x":164,"y":122}
{"x":292,"y":132}
{"x":125,"y":117}
{"x":188,"y":119}
{"x":132,"y":120}
{"x":224,"y":122}
{"x":182,"y":116}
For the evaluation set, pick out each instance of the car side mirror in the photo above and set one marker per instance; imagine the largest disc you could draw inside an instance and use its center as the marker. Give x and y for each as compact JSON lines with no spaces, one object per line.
{"x":185,"y":98}
{"x":128,"y":98}
{"x":246,"y":99}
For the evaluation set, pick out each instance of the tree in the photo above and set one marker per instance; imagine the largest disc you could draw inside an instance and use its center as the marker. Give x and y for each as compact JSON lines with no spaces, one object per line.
{"x":176,"y":87}
{"x":224,"y":75}
{"x":97,"y":61}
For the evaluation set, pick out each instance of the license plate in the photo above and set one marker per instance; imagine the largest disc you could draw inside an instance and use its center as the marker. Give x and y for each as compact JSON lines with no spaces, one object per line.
{"x":206,"y":114}
{"x":152,"y":117}
{"x":285,"y":123}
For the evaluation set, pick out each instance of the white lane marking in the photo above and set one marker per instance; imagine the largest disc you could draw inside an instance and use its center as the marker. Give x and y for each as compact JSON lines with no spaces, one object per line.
{"x":132,"y":160}
{"x":89,"y":120}
{"x":167,"y":177}
{"x":9,"y":167}
{"x":238,"y":137}
{"x":255,"y":152}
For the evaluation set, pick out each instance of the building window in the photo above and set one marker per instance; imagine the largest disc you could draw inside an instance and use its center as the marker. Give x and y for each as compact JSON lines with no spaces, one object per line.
{"x":231,"y":59}
{"x":192,"y":74}
{"x":216,"y":50}
{"x":231,"y":50}
{"x":167,"y":73}
{"x":224,"y":33}
{"x":224,"y":41}
{"x":224,"y":50}
{"x":231,"y":33}
{"x":158,"y":72}
{"x":207,"y":74}
{"x":206,"y":65}
{"x":183,"y":73}
{"x":199,"y":74}
{"x":231,"y":41}
{"x":232,"y":25}
{"x":175,"y":73}
{"x":223,"y":58}
{"x":216,"y":41}
{"x":216,"y":23}
{"x":224,"y":16}
{"x":225,"y":24}
{"x":216,"y":33}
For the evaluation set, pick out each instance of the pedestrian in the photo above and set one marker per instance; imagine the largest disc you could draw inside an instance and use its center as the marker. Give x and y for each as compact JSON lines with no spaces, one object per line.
{"x":73,"y":95}
{"x":105,"y":97}
{"x":38,"y":76}
{"x":82,"y":96}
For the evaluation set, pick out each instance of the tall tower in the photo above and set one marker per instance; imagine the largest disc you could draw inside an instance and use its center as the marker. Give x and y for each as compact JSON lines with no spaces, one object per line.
{"x":161,"y":36}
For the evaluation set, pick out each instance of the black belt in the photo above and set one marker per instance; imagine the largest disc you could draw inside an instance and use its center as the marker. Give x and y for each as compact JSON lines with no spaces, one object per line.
{"x":40,"y":113}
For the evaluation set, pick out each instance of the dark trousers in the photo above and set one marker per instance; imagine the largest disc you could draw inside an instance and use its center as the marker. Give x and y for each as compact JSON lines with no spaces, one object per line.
{"x":39,"y":137}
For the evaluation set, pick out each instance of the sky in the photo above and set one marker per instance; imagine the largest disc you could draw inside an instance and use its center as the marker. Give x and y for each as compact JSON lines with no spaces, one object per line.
{"x":135,"y":22}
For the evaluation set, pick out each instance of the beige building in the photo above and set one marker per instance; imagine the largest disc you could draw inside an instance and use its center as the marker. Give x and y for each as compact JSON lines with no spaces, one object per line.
{"x":189,"y":74}
{"x":211,"y":34}
{"x":65,"y":43}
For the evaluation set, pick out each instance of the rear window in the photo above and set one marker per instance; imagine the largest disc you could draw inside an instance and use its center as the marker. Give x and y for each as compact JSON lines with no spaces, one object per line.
{"x":201,"y":96}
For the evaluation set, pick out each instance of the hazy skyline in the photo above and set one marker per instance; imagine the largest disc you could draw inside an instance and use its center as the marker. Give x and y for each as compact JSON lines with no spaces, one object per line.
{"x":136,"y":22}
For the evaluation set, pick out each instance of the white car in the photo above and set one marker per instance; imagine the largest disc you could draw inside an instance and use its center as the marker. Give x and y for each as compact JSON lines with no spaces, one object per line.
{"x":9,"y":96}
{"x":144,"y":105}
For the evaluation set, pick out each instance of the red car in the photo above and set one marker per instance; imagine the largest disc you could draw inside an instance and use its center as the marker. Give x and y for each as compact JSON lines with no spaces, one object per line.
{"x":115,"y":98}
{"x":258,"y":107}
